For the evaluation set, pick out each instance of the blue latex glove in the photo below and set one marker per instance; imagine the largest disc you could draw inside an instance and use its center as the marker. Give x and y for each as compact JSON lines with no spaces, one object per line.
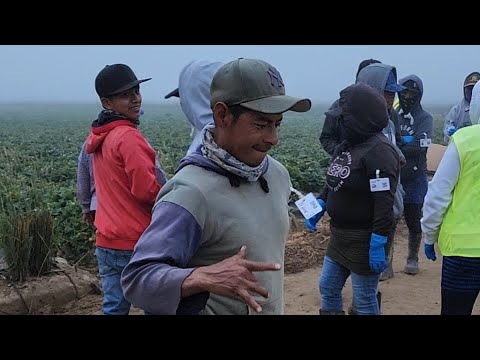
{"x":430,"y":252}
{"x":407,"y":139}
{"x":451,"y":130}
{"x":378,"y":263}
{"x":312,"y":222}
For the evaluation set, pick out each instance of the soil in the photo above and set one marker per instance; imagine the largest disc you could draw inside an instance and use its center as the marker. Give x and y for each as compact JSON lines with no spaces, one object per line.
{"x":401,"y":295}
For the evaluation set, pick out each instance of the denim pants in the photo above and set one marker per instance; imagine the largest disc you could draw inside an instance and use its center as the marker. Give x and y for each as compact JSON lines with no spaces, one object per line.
{"x":110,"y":265}
{"x":332,"y":281}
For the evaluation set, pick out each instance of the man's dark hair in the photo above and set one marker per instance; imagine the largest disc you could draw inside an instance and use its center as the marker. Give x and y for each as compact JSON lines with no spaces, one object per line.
{"x":237,"y":110}
{"x":365,"y":63}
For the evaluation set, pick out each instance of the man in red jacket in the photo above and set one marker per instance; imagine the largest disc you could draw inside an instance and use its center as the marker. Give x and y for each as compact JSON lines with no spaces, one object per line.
{"x":125,"y":179}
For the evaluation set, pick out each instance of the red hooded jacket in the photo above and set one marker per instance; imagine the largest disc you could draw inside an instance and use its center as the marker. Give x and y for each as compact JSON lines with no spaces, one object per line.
{"x":126,"y":184}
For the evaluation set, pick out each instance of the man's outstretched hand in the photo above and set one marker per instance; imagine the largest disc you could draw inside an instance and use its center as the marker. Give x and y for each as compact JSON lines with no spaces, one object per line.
{"x":233,"y":277}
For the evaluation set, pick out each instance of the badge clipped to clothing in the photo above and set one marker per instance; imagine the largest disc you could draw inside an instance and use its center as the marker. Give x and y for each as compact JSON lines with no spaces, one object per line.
{"x":379,"y":184}
{"x":425,"y":142}
{"x":308,"y":204}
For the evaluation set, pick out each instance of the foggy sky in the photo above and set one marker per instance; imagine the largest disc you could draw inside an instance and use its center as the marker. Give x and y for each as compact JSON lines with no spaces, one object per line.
{"x":66,"y":73}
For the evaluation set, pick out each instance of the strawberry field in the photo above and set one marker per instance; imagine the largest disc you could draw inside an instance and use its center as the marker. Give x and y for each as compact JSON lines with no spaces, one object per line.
{"x":39,"y":147}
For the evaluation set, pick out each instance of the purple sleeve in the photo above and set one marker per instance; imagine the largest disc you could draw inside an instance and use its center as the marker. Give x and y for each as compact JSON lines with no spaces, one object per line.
{"x":84,"y":191}
{"x":153,"y":278}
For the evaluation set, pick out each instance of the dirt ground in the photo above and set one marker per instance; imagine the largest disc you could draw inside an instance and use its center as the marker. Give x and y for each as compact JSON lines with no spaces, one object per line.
{"x":401,"y":295}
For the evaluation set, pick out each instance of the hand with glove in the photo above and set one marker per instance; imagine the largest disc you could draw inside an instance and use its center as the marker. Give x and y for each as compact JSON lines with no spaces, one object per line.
{"x":407,"y":139}
{"x":451,"y":130}
{"x":430,"y":252}
{"x":377,"y":259}
{"x":312,"y":222}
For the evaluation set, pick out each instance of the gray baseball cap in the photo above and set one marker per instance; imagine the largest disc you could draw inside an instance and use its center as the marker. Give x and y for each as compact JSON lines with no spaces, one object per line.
{"x":256,"y":85}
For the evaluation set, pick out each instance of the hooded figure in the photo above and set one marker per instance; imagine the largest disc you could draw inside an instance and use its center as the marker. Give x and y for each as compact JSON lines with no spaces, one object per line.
{"x":458,"y":116}
{"x":383,"y":78}
{"x":361,"y":211}
{"x":330,"y":137}
{"x":194,"y":93}
{"x":416,"y":127}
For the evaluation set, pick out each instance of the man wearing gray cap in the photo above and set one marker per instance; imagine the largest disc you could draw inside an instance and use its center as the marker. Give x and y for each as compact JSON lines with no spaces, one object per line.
{"x":216,"y":241}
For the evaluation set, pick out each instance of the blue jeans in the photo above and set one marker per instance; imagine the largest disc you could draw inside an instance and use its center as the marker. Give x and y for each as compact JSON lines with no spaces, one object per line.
{"x":332,"y":281}
{"x":110,"y":265}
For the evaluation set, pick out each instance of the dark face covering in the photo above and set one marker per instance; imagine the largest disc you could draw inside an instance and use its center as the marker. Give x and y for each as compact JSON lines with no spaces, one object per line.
{"x":408,"y":99}
{"x":467,"y":91}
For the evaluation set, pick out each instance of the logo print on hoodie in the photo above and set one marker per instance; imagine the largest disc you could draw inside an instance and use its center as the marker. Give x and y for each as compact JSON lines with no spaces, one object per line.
{"x":339,"y":170}
{"x":406,"y":129}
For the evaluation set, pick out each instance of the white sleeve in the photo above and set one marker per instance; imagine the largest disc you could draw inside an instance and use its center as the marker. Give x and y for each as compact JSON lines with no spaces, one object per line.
{"x":440,"y":193}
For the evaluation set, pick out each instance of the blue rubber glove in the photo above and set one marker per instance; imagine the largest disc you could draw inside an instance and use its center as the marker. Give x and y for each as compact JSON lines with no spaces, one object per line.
{"x":377,"y":260}
{"x":451,"y":130}
{"x":312,"y":222}
{"x":407,"y":139}
{"x":430,"y":252}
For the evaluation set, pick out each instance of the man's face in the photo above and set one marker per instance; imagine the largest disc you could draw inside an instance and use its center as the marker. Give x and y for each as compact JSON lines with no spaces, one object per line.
{"x":389,"y":98}
{"x":127,"y":103}
{"x":251,"y":136}
{"x":468,"y":92}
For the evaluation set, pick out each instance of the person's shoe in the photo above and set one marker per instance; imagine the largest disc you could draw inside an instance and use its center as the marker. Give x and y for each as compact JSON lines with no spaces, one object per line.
{"x":411,"y":267}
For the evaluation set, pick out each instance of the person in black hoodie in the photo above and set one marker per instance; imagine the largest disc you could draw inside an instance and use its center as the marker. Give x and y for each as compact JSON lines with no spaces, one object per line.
{"x":416,"y":126}
{"x":359,"y":195}
{"x":329,"y":137}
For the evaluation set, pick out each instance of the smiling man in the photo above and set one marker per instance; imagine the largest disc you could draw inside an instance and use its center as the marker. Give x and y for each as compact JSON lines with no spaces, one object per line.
{"x":126,"y":182}
{"x":216,"y":241}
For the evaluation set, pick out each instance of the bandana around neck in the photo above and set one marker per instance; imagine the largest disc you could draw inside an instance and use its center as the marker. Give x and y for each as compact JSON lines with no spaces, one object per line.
{"x":222,"y":158}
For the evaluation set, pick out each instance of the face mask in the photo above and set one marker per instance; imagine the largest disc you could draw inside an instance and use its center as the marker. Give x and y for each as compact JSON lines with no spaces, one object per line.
{"x":408,"y":99}
{"x":468,"y":93}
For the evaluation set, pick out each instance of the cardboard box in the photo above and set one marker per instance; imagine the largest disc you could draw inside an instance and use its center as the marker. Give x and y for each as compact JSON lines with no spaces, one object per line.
{"x":434,"y":155}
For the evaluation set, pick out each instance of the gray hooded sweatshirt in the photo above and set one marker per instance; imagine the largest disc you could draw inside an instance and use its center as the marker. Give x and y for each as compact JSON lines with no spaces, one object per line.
{"x":376,"y":76}
{"x":194,"y":89}
{"x":458,"y":116}
{"x":419,"y":124}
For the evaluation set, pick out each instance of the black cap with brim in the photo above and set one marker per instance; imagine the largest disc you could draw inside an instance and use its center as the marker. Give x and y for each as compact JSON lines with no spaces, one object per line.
{"x":278,"y":104}
{"x":172,"y":93}
{"x":128,"y":86}
{"x":334,"y":112}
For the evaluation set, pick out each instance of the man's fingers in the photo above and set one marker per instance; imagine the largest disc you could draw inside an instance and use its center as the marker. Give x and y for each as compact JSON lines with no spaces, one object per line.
{"x":249,"y":300}
{"x":262,"y":266}
{"x":256,"y":288}
{"x":243,"y":252}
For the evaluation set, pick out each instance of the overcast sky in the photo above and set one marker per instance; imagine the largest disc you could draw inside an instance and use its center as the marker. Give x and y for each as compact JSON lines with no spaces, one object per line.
{"x":66,"y":73}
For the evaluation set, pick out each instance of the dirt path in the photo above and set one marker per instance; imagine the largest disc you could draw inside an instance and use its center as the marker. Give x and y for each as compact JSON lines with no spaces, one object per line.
{"x":402,"y":295}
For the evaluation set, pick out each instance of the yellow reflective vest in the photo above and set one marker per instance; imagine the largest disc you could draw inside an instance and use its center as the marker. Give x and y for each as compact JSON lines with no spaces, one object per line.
{"x":460,"y":231}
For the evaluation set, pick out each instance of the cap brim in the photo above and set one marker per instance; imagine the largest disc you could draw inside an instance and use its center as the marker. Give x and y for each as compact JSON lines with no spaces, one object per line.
{"x":278,"y":104}
{"x":395,"y":88}
{"x":334,"y":112}
{"x":129,"y":86}
{"x":470,"y":84}
{"x":172,"y":93}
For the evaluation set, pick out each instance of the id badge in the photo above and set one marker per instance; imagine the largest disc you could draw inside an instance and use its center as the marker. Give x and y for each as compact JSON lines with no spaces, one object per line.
{"x":309,"y":206}
{"x":381,"y":184}
{"x":425,"y":142}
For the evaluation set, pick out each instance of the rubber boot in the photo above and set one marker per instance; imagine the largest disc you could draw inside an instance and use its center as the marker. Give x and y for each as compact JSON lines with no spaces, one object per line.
{"x":414,"y":240}
{"x":322,"y":312}
{"x":388,"y":272}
